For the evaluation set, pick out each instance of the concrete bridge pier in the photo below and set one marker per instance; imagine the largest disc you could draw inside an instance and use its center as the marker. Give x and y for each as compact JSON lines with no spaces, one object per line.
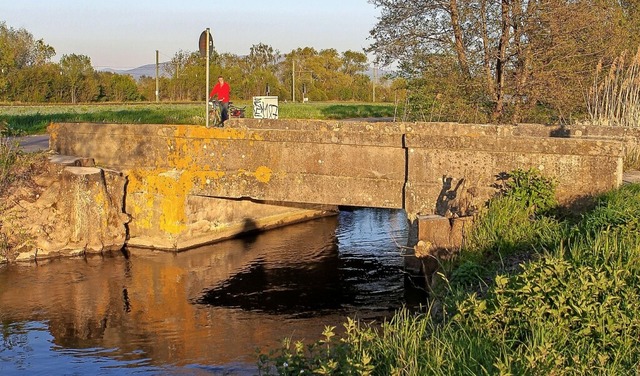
{"x":167,"y":217}
{"x":432,"y":239}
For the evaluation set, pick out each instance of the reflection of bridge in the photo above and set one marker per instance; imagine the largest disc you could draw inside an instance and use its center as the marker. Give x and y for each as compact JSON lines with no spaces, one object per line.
{"x":188,"y":185}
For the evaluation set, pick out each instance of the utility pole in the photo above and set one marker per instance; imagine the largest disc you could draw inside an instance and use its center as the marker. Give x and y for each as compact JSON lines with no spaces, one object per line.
{"x":206,"y":95}
{"x":293,"y":80}
{"x":157,"y":82}
{"x":375,"y":74}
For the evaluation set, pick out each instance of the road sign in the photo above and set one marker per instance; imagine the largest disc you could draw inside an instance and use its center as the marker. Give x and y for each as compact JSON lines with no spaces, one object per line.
{"x":202,"y":43}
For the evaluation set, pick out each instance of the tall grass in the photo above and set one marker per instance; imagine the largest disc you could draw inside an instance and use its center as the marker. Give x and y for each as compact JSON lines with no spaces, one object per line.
{"x":614,"y":98}
{"x":9,"y":151}
{"x":570,"y":310}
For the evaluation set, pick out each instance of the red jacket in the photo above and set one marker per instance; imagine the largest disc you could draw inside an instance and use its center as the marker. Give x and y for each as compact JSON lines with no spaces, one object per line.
{"x":223,"y":92}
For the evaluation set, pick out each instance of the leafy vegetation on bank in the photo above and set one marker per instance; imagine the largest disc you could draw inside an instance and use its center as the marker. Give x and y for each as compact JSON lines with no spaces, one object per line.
{"x":9,"y":151}
{"x":17,"y":169}
{"x":34,"y":119}
{"x":546,"y":297}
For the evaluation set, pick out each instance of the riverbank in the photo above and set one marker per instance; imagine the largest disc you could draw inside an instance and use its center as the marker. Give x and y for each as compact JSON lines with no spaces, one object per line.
{"x":532,"y":293}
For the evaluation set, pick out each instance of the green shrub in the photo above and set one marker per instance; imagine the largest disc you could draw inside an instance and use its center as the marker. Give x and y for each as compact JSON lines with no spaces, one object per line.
{"x":328,"y":356}
{"x":506,"y":227}
{"x":532,"y":189}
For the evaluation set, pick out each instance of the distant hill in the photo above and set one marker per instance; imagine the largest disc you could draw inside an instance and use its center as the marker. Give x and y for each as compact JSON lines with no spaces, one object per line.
{"x":148,"y":70}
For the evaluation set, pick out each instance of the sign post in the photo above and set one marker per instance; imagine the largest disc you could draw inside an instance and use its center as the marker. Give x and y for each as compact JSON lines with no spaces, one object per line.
{"x":205,"y":43}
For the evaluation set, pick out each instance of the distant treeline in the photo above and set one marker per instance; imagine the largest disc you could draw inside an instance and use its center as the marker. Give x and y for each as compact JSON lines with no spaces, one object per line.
{"x":27,"y":75}
{"x":552,"y":61}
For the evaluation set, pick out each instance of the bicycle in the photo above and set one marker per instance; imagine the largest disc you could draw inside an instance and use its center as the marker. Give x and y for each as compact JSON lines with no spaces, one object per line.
{"x":215,"y":113}
{"x":236,"y":112}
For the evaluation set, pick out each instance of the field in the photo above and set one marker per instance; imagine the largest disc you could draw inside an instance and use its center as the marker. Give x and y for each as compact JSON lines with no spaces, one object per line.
{"x":33,"y":119}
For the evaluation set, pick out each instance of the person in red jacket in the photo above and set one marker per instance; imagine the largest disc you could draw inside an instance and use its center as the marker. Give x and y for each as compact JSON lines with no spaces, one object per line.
{"x":223,"y":91}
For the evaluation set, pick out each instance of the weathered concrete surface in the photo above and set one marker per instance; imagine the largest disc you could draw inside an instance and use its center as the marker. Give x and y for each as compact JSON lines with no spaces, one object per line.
{"x":76,"y":211}
{"x":188,"y":182}
{"x":440,"y":238}
{"x":630,"y":136}
{"x":460,"y":171}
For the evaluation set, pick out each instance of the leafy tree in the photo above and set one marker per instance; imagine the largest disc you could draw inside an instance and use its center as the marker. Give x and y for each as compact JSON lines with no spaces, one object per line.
{"x":18,"y":50}
{"x":354,"y":62}
{"x":187,"y":72}
{"x":79,"y":76}
{"x":117,"y":87}
{"x":147,"y":87}
{"x":262,"y":56}
{"x":26,"y":75}
{"x":509,"y":57}
{"x":41,"y":83}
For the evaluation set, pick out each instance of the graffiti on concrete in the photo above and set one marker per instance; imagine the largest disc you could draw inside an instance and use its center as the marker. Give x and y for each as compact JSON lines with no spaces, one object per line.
{"x":265,"y":107}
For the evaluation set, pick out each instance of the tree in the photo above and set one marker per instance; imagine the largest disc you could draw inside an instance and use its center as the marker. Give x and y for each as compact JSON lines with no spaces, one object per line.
{"x":117,"y":87}
{"x":354,"y":62}
{"x":510,"y":56}
{"x":262,"y":56}
{"x":187,"y":72}
{"x":18,"y":50}
{"x":79,"y":75}
{"x":40,"y":83}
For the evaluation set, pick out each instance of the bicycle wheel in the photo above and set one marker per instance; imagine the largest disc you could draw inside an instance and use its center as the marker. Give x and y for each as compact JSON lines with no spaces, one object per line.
{"x":215,"y":114}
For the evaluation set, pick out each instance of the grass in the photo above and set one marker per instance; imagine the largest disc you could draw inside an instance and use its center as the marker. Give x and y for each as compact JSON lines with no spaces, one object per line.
{"x":33,"y":119}
{"x":568,"y":306}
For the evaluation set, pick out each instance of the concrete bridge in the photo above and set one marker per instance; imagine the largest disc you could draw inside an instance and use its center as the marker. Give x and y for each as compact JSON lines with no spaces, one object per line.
{"x":188,"y":185}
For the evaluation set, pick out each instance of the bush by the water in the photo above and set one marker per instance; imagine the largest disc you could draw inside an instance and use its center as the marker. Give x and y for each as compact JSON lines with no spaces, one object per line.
{"x":9,"y":152}
{"x":569,"y":307}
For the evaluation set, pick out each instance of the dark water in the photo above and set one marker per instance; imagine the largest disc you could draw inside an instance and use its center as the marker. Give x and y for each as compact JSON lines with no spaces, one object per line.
{"x":204,"y":311}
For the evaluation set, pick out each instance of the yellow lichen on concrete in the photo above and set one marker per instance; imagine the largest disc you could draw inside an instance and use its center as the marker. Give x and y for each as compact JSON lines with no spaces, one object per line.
{"x":181,"y":156}
{"x":200,"y":132}
{"x":162,"y":196}
{"x":263,"y":174}
{"x":53,"y":129}
{"x":162,"y":199}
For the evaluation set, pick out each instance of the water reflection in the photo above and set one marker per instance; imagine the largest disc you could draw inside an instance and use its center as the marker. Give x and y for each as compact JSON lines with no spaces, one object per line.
{"x":205,"y":308}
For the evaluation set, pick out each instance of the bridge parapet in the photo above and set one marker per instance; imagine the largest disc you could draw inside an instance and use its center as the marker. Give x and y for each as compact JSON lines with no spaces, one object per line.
{"x":175,"y":171}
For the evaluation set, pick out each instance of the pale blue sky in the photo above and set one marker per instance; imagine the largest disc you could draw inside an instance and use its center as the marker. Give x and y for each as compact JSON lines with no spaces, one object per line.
{"x":125,"y":34}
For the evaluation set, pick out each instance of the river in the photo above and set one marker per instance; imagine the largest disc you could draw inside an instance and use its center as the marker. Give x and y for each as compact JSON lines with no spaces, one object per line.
{"x":206,"y":310}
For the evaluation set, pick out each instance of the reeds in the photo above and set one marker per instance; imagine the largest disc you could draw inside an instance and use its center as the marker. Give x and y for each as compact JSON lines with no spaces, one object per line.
{"x":614,"y":98}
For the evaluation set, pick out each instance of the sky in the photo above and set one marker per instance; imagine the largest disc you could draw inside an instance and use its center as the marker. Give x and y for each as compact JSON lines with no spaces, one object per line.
{"x":122,"y":34}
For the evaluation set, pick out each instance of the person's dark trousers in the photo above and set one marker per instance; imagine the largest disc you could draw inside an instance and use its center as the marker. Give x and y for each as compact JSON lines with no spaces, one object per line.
{"x":225,"y":111}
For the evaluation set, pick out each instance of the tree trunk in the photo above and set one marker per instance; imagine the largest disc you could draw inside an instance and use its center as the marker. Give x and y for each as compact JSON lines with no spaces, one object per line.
{"x":486,"y":58}
{"x":458,"y":39}
{"x":501,"y":61}
{"x":523,"y":64}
